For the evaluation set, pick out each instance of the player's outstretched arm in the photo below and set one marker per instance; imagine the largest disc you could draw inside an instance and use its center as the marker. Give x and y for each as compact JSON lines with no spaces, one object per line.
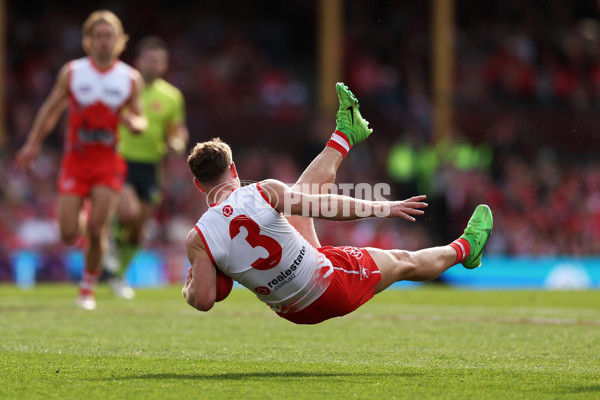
{"x":45,"y":120}
{"x":337,"y":207}
{"x":199,"y":290}
{"x":178,"y":137}
{"x":177,"y":131}
{"x":134,"y":118}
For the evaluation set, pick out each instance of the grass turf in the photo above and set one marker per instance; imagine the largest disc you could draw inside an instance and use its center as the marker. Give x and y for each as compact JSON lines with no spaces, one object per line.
{"x":420,"y":343}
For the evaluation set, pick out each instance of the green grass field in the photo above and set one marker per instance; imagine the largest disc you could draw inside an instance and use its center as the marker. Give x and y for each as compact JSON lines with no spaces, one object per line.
{"x":421,"y":343}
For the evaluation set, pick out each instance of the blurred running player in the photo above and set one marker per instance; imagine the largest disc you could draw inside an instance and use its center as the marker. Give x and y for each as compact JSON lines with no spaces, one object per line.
{"x":95,"y":88}
{"x":245,"y":235}
{"x":164,"y":108}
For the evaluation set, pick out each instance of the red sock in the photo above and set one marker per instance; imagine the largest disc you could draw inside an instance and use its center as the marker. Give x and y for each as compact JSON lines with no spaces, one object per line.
{"x":88,"y":282}
{"x":340,"y":142}
{"x":462,"y":247}
{"x":80,"y":242}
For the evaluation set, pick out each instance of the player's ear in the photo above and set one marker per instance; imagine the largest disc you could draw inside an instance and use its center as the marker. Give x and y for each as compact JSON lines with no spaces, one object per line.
{"x":198,"y":185}
{"x":233,"y":170}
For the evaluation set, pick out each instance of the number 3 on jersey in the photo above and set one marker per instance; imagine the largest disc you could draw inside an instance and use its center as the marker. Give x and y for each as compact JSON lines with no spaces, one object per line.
{"x":255,"y":239}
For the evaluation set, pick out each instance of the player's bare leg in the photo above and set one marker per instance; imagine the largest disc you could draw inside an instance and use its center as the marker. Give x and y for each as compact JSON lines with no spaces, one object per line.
{"x":104,"y":203}
{"x":132,"y":214}
{"x":428,"y":264}
{"x":130,"y":205}
{"x":351,"y":128}
{"x":402,"y":265}
{"x":69,"y":208}
{"x":315,"y":179}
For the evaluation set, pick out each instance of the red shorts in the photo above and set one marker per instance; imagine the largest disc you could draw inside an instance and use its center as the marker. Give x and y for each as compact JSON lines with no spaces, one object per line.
{"x":78,"y":175}
{"x":353,"y":281}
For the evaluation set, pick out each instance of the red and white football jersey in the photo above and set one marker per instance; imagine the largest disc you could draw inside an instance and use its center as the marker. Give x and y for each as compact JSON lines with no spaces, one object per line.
{"x":95,"y":101}
{"x":250,"y":241}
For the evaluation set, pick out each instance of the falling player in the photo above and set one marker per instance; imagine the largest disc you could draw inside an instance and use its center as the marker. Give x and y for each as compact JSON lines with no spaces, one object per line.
{"x":245,"y":235}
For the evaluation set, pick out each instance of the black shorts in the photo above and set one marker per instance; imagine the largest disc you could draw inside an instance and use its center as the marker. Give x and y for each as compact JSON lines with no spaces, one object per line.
{"x":144,"y":179}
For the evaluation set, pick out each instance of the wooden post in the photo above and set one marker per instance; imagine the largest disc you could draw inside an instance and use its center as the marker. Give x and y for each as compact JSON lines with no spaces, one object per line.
{"x":443,"y":67}
{"x":330,"y":53}
{"x":3,"y":127}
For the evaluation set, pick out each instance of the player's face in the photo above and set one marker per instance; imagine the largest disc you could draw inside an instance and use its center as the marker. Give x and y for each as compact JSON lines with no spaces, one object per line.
{"x":152,"y":64}
{"x":103,"y":41}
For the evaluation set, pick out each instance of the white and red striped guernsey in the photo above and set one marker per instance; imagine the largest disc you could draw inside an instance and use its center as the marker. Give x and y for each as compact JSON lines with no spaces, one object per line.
{"x":250,"y":241}
{"x":95,"y":101}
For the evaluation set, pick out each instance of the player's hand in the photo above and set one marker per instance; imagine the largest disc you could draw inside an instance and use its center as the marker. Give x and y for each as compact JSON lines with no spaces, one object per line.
{"x":135,"y":123}
{"x":177,"y":145}
{"x":186,"y":292}
{"x":27,"y":155}
{"x":188,"y":279}
{"x":406,"y":208}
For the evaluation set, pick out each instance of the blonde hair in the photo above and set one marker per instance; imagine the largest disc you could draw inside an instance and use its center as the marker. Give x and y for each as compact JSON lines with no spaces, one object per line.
{"x":108,"y":17}
{"x":209,"y":160}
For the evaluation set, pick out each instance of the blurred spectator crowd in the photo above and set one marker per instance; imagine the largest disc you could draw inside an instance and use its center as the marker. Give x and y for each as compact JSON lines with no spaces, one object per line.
{"x":527,"y":81}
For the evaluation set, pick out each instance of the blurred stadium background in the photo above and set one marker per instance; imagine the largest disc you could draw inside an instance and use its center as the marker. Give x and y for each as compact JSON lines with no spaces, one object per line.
{"x":471,"y":102}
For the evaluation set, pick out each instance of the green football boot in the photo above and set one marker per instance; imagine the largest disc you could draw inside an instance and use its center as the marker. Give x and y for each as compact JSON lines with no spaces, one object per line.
{"x":476,"y":233}
{"x":348,"y":118}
